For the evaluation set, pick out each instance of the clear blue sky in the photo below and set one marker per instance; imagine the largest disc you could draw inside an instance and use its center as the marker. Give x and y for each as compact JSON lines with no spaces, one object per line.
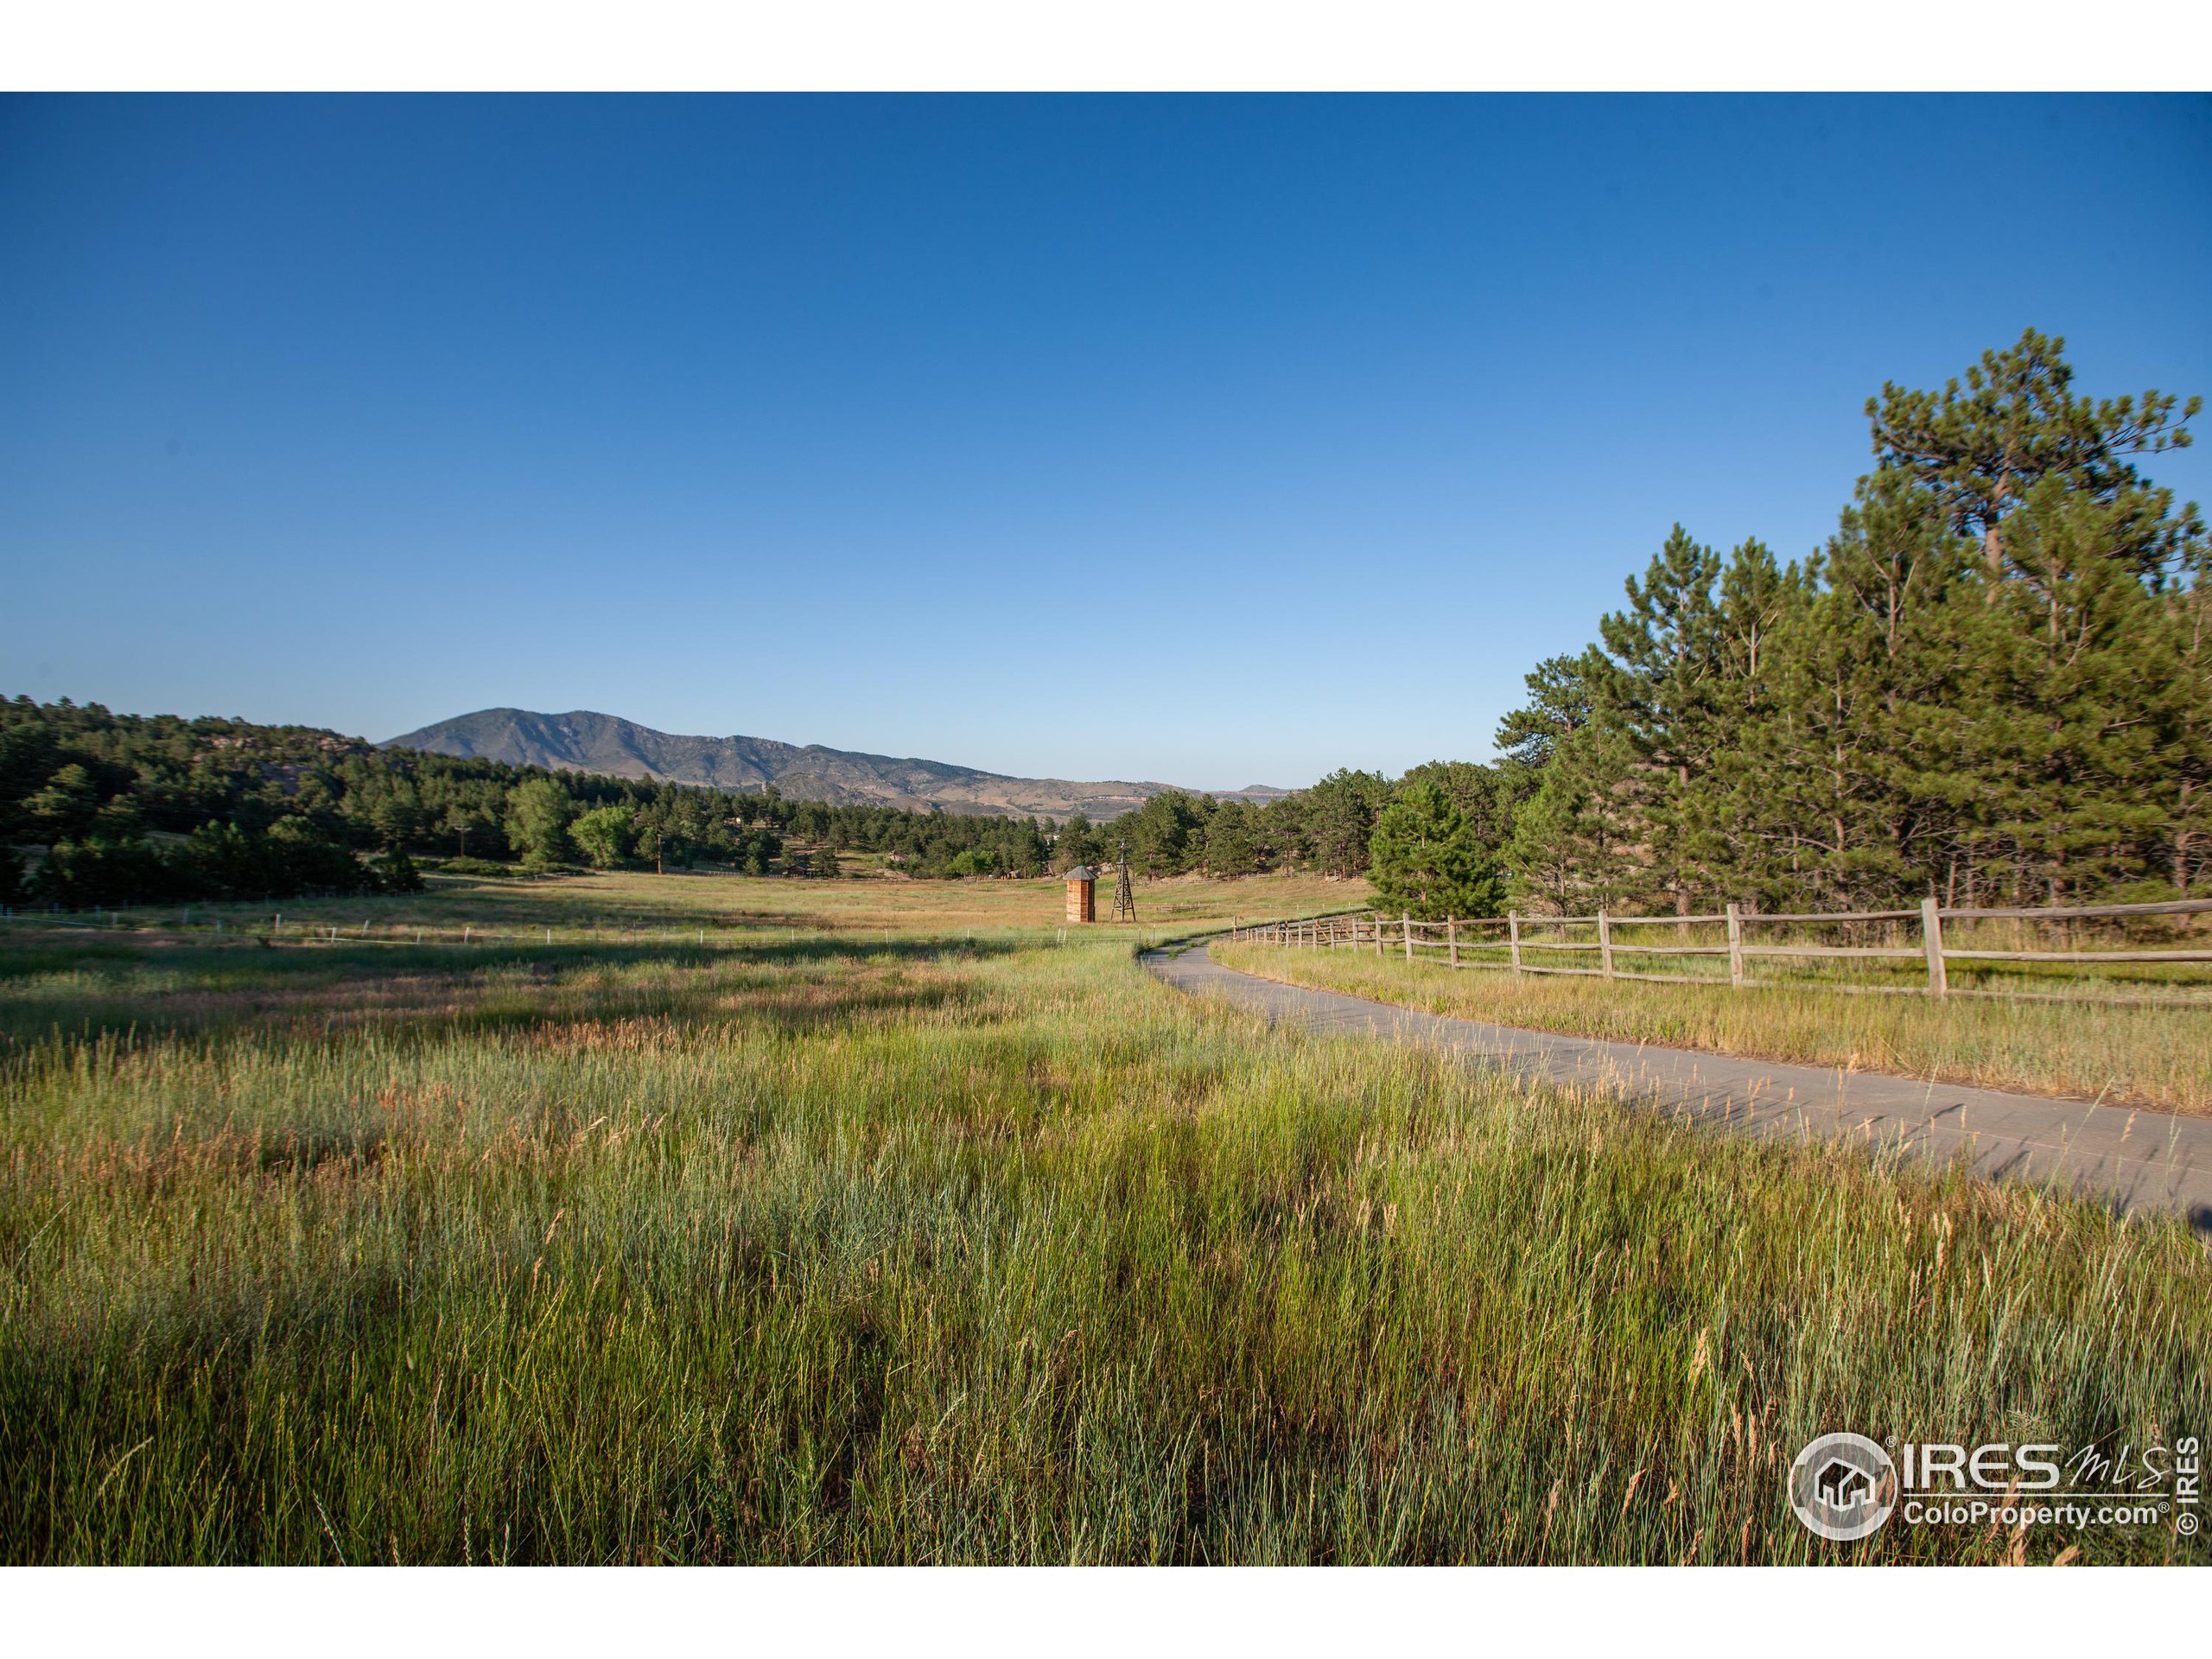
{"x":1215,"y":441}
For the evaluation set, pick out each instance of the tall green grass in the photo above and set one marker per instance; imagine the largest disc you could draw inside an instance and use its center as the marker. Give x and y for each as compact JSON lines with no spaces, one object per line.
{"x":821,"y":1252}
{"x":2134,"y":1056}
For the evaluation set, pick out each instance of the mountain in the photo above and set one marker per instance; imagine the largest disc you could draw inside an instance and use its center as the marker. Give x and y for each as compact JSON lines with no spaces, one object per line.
{"x":583,"y":741}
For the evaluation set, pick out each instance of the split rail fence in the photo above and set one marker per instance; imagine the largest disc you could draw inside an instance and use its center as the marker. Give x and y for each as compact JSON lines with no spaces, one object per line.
{"x":1539,"y":944}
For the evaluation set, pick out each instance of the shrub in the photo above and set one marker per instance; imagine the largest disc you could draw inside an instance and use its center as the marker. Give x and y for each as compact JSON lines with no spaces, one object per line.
{"x":102,"y":870}
{"x":478,"y":866}
{"x":396,"y":873}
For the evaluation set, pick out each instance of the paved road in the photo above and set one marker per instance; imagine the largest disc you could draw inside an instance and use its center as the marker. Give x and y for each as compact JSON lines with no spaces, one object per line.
{"x":2136,"y":1159}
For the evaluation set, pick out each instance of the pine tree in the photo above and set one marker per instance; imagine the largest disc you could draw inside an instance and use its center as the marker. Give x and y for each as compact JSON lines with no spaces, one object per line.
{"x":1486,"y":796}
{"x":1978,"y":452}
{"x":538,"y":810}
{"x":2187,"y":608}
{"x":1077,"y":843}
{"x":1661,"y":694}
{"x":1232,"y":848}
{"x":1842,"y":784}
{"x":1572,"y":848}
{"x":1994,"y":682}
{"x":1427,"y":859}
{"x":2082,"y":685}
{"x":1561,"y":701}
{"x":1339,"y":819}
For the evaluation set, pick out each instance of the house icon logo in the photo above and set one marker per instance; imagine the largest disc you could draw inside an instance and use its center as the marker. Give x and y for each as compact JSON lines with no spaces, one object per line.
{"x":1843,"y":1487}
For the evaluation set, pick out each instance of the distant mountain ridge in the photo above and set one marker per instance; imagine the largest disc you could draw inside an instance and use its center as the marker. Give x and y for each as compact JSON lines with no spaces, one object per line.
{"x":582,"y":741}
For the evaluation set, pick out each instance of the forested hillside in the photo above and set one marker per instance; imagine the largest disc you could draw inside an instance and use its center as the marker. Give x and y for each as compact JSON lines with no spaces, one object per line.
{"x":605,"y":746}
{"x":102,"y":809}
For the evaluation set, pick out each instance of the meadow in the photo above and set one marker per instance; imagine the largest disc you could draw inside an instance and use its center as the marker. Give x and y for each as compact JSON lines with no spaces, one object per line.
{"x":2127,"y":1055}
{"x":580,"y":908}
{"x":886,"y":1225}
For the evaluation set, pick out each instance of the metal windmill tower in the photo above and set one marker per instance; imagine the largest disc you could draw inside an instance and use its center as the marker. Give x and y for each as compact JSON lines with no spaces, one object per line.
{"x":1125,"y":896}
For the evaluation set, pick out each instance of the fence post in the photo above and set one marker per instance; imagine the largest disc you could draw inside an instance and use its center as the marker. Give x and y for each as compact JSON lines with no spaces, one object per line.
{"x":1931,"y":934}
{"x":1452,"y":938}
{"x":1377,"y":923}
{"x":1406,"y":927}
{"x":1735,"y":949}
{"x":1606,"y":942}
{"x":1513,"y":923}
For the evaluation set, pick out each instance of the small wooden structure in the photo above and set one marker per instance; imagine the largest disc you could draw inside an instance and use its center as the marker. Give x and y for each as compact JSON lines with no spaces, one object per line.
{"x":1083,"y":894}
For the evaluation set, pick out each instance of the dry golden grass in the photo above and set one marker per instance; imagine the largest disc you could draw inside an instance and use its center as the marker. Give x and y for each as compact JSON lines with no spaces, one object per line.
{"x":828,"y":1249}
{"x":2156,"y":1056}
{"x":610,"y":907}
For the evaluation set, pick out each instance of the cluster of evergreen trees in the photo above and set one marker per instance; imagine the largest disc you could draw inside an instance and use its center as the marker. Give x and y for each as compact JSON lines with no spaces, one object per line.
{"x":103,"y":808}
{"x":1992,"y":684}
{"x":97,"y":808}
{"x":932,"y":843}
{"x":1325,"y":828}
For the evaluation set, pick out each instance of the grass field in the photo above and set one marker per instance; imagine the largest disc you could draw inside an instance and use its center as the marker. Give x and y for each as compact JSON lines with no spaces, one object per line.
{"x":598,"y":908}
{"x":2133,"y":1056}
{"x":837,"y":1247}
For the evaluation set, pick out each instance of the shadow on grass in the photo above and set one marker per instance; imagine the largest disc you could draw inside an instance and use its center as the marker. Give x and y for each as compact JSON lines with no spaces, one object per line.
{"x":75,"y":994}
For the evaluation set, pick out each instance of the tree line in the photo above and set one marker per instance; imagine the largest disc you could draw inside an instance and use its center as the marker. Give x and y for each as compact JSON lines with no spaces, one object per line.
{"x":97,"y":808}
{"x":1992,"y":683}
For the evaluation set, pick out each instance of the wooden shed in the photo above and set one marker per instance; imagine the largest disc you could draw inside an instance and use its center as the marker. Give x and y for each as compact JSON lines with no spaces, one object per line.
{"x":1083,"y":894}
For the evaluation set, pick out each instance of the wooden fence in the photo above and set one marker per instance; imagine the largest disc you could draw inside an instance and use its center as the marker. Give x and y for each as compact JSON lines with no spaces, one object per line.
{"x":1538,"y":944}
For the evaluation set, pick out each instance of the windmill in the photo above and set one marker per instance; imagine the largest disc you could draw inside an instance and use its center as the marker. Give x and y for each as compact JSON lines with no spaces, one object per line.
{"x":1125,"y":896}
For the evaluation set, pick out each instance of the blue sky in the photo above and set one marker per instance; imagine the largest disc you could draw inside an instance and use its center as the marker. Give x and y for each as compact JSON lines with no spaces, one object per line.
{"x":1214,"y":441}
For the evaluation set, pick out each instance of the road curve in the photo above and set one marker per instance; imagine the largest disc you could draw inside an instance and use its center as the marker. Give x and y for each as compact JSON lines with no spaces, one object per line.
{"x":2135,"y":1159}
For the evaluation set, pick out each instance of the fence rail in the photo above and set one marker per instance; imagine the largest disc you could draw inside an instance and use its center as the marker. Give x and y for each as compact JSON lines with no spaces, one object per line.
{"x":1477,"y":942}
